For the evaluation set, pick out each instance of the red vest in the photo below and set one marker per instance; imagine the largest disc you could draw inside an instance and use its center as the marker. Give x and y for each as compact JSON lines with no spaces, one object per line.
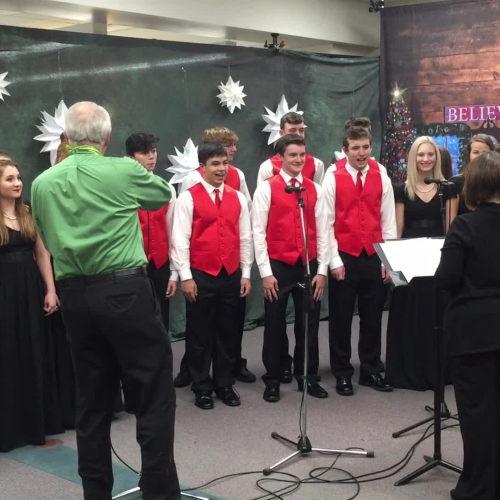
{"x":308,"y":171}
{"x":371,"y":163}
{"x":232,"y":179}
{"x":357,"y":215}
{"x":154,"y":234}
{"x":215,"y":238}
{"x":285,"y":241}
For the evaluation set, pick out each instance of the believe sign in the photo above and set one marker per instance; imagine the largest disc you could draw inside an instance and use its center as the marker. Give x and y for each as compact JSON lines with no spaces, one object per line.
{"x":478,"y":113}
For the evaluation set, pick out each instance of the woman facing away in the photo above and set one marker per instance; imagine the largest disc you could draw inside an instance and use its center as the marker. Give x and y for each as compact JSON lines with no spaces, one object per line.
{"x":418,"y":209}
{"x":470,"y":270}
{"x":479,"y":144}
{"x":29,"y":403}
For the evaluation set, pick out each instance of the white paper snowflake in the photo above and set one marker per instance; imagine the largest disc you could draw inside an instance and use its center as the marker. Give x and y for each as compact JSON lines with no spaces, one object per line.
{"x":3,"y":84}
{"x":231,"y":95}
{"x":183,"y":163}
{"x":51,"y":129}
{"x":273,"y":119}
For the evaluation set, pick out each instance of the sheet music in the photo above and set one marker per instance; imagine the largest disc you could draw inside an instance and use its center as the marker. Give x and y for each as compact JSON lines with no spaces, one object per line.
{"x":416,"y":257}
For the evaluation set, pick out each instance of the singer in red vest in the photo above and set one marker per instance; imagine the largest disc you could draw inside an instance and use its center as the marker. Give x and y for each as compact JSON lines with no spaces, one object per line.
{"x":360,"y":208}
{"x":235,"y":179}
{"x":341,"y":159}
{"x":280,"y":255}
{"x":314,"y":169}
{"x":156,"y":226}
{"x":212,"y":251}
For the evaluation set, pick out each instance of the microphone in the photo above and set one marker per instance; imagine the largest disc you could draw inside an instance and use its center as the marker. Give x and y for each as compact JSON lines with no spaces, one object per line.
{"x":430,"y":180}
{"x":296,"y":189}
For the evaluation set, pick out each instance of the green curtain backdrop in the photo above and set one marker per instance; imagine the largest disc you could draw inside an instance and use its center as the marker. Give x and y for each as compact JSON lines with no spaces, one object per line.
{"x":170,"y":89}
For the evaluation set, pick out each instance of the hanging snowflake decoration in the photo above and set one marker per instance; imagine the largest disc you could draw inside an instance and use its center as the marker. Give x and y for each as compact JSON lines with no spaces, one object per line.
{"x":273,"y":119}
{"x":183,"y":163}
{"x":51,"y":129}
{"x":231,"y":95}
{"x":3,"y":84}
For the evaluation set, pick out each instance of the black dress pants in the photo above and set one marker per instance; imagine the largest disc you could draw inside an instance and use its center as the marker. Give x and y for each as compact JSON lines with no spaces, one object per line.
{"x":363,"y":280}
{"x":212,"y":329}
{"x":274,"y":357}
{"x":476,"y":378}
{"x":115,"y":331}
{"x":240,"y":362}
{"x":159,"y":277}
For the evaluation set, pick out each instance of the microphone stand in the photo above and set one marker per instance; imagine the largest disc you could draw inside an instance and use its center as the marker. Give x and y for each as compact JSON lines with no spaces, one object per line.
{"x":436,"y":460}
{"x":303,"y":445}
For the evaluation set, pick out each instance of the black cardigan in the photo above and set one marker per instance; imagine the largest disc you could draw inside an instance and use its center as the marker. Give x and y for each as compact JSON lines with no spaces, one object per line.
{"x":470,"y":270}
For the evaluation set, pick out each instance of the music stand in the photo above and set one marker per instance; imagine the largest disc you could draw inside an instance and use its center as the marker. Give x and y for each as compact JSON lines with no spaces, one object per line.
{"x":405,"y":257}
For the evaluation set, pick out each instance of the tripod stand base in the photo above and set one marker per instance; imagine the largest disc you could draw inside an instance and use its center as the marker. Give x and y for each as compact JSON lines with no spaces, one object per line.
{"x":135,"y":490}
{"x":445,"y":414}
{"x":431,"y":464}
{"x":304,"y":448}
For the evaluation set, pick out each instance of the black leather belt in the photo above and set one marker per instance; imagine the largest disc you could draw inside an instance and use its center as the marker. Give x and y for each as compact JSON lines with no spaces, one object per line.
{"x":16,"y":256}
{"x":100,"y":278}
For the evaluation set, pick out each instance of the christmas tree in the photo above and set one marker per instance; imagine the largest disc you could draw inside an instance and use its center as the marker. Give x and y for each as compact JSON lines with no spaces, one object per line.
{"x":398,"y":138}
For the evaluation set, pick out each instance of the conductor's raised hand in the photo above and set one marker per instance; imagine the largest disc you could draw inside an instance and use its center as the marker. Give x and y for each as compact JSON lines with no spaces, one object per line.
{"x":386,"y":277}
{"x":338,"y":273}
{"x":190,"y":290}
{"x":318,"y":284}
{"x":245,"y":287}
{"x":270,"y":287}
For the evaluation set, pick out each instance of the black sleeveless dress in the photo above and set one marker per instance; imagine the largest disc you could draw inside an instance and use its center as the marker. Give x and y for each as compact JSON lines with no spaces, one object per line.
{"x":29,"y":398}
{"x":411,"y":343}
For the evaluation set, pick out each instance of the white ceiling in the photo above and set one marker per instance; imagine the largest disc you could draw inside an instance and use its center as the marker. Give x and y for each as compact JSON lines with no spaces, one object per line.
{"x":81,"y":21}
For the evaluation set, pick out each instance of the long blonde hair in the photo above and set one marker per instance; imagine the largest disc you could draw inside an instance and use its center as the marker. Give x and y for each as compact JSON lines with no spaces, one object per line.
{"x":26,"y":224}
{"x":412,"y":171}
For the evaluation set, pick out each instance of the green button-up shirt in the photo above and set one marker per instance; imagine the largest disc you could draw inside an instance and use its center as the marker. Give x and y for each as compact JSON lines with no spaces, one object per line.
{"x":85,"y":209}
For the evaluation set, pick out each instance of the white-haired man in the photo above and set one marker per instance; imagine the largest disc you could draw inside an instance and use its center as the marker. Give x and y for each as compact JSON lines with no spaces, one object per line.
{"x":86,"y":213}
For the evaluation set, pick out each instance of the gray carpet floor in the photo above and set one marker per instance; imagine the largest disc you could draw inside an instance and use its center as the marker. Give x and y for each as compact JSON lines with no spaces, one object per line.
{"x":226,"y":440}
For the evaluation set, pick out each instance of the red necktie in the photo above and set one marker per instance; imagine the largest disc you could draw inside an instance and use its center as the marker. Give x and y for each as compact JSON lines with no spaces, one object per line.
{"x":217,"y":199}
{"x":293,"y":182}
{"x":359,"y":183}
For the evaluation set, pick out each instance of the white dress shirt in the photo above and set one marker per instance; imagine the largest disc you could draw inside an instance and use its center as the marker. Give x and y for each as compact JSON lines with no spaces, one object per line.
{"x":174,"y":275}
{"x":183,"y":226}
{"x":332,"y":168}
{"x":195,"y":177}
{"x":260,"y":217}
{"x":387,"y":210}
{"x":266,"y":171}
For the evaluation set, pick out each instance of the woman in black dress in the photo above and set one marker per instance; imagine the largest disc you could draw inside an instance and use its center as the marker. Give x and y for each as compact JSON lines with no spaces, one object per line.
{"x":410,"y":339}
{"x":418,"y":210}
{"x":470,"y":270}
{"x":479,"y":144}
{"x":29,"y":403}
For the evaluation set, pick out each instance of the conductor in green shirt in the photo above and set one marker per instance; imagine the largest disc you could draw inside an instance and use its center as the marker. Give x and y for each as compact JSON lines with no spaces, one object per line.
{"x":85,"y":209}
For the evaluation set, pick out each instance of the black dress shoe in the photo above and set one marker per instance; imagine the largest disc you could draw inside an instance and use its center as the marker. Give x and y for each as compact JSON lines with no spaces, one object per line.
{"x":243,"y":374}
{"x":313,"y":389}
{"x":376,"y":382}
{"x":286,"y":377}
{"x":183,"y":379}
{"x":204,"y":400}
{"x":272,"y":394}
{"x":228,"y":396}
{"x":344,"y":386}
